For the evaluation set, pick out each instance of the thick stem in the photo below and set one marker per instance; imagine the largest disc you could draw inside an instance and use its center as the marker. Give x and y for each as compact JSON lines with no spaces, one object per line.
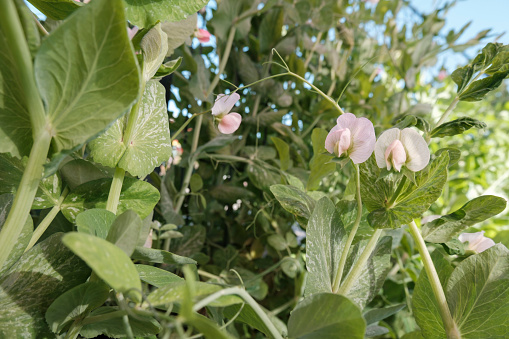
{"x":325,"y":96}
{"x":75,"y":329}
{"x":248,"y":299}
{"x":115,"y":189}
{"x":351,"y":236}
{"x":16,"y":42}
{"x":127,"y":327}
{"x":359,"y":265}
{"x":396,"y":194}
{"x":25,"y":195}
{"x":451,"y":328}
{"x":43,"y":226}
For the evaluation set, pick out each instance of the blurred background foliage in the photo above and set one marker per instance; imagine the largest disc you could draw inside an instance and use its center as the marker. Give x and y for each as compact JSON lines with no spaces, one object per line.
{"x":356,"y":51}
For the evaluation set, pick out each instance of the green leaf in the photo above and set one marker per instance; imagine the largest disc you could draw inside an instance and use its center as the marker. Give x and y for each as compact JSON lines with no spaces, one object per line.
{"x":156,"y":276}
{"x":125,"y":231}
{"x":424,"y":305}
{"x":476,"y":210}
{"x":248,"y":316}
{"x":498,"y":62}
{"x":24,"y":237}
{"x":324,"y":315}
{"x":79,"y":171}
{"x":108,"y":261}
{"x":462,"y":76}
{"x":206,"y":326}
{"x":11,"y":171}
{"x":325,"y":240}
{"x":229,"y":194}
{"x":95,"y":222}
{"x":283,"y":150}
{"x":270,"y":29}
{"x":478,"y":89}
{"x":262,"y":176}
{"x":411,"y":203}
{"x":374,"y":272}
{"x":74,"y":303}
{"x":80,"y":70}
{"x":144,"y":13}
{"x":375,"y":315}
{"x":178,"y":32}
{"x":457,"y":126}
{"x":56,"y":9}
{"x":196,"y":183}
{"x":114,"y":327}
{"x":139,"y":196}
{"x":150,"y":142}
{"x":174,"y":293}
{"x":168,"y":68}
{"x":159,"y":256}
{"x":29,"y":287}
{"x":154,"y":46}
{"x":454,"y":154}
{"x":191,"y":242}
{"x":320,"y":164}
{"x":294,"y":201}
{"x":15,"y":126}
{"x":478,"y":294}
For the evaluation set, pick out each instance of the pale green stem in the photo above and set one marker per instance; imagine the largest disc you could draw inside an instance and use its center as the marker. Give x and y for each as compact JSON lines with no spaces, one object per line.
{"x":115,"y":189}
{"x":43,"y":226}
{"x":176,"y":134}
{"x":448,"y":111}
{"x":248,"y":299}
{"x":354,"y":274}
{"x":75,"y":329}
{"x":310,"y":54}
{"x":351,"y":236}
{"x":396,"y":194}
{"x":24,"y":196}
{"x":127,"y":327}
{"x":451,"y":328}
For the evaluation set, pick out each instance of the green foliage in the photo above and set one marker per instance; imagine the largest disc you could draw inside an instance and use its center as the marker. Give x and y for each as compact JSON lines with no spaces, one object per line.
{"x":156,"y":276}
{"x":144,"y":13}
{"x":294,"y":201}
{"x":95,"y":221}
{"x":455,"y":127}
{"x":56,"y":10}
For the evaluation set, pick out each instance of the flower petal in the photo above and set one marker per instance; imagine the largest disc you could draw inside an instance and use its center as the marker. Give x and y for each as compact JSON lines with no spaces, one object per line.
{"x":470,"y":237}
{"x":347,"y":120}
{"x":484,"y":244}
{"x":230,"y":123}
{"x":416,"y":148}
{"x":384,"y":140}
{"x":363,"y":139}
{"x":224,"y":104}
{"x":395,"y":155}
{"x":202,"y":35}
{"x":338,"y":141}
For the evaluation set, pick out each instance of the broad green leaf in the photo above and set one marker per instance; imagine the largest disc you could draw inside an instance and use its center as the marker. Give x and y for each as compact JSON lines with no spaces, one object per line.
{"x":374,"y":272}
{"x":159,"y":256}
{"x":270,"y":29}
{"x":485,"y":58}
{"x":144,"y":13}
{"x":174,"y":293}
{"x":15,"y":126}
{"x":206,"y":326}
{"x":178,"y":32}
{"x":325,"y":315}
{"x":32,"y":35}
{"x":374,"y":330}
{"x":29,"y":287}
{"x":56,"y":9}
{"x":478,"y":89}
{"x":154,"y":46}
{"x":11,"y":171}
{"x":125,"y":231}
{"x":168,"y":68}
{"x":320,"y":164}
{"x":191,"y":242}
{"x":23,"y":238}
{"x":424,"y":305}
{"x":476,"y":210}
{"x":136,"y":195}
{"x":457,"y":126}
{"x":325,"y":240}
{"x":414,"y":199}
{"x":277,"y":241}
{"x":294,"y":201}
{"x":87,"y":73}
{"x":263,"y":176}
{"x":74,"y":303}
{"x":114,"y":327}
{"x":375,"y":315}
{"x":454,"y":154}
{"x":248,"y":316}
{"x":79,"y":171}
{"x":156,"y":276}
{"x":462,"y":76}
{"x":150,"y":142}
{"x":196,"y":182}
{"x":478,"y":294}
{"x":229,"y":194}
{"x":283,"y":150}
{"x":95,"y":222}
{"x":498,"y":62}
{"x":108,"y":261}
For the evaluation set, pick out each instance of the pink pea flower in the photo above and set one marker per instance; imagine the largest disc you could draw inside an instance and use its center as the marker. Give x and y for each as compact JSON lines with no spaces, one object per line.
{"x":442,"y":75}
{"x":353,"y":137}
{"x":397,"y":148}
{"x":202,"y":35}
{"x":227,"y":122}
{"x":477,"y":242}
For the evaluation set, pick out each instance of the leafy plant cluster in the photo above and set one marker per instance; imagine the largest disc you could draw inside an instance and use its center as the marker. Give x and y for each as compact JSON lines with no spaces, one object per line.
{"x":121,"y":218}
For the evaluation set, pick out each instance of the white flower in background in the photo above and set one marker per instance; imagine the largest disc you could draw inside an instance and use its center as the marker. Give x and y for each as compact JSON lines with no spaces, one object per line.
{"x":477,"y":242}
{"x":397,"y":148}
{"x":227,"y":122}
{"x":148,"y":242}
{"x":353,"y":137}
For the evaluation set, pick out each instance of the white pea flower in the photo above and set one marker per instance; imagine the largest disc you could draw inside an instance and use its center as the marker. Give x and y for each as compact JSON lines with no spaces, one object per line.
{"x":477,"y":242}
{"x":227,"y":122}
{"x":353,"y":137}
{"x":397,"y":148}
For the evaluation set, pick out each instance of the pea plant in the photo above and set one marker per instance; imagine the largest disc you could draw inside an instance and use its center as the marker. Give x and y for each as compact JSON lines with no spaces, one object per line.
{"x":289,"y":218}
